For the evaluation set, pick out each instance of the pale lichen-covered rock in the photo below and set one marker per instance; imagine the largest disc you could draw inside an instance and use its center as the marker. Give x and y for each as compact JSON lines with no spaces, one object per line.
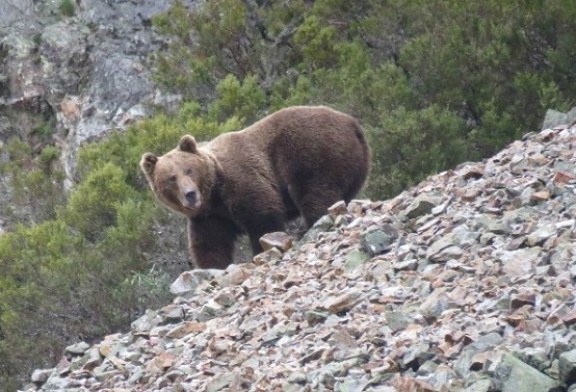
{"x":520,"y":377}
{"x":567,"y":367}
{"x":100,"y":57}
{"x":378,"y":241}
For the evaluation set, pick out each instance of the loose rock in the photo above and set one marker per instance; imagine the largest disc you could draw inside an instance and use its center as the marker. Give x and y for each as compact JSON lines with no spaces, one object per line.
{"x":469,"y":288}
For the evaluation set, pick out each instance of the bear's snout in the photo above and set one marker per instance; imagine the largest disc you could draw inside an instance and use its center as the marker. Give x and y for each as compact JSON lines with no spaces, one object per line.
{"x":191,"y":197}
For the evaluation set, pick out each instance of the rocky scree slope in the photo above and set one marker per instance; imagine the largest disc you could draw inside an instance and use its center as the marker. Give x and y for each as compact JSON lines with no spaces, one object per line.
{"x":462,"y":283}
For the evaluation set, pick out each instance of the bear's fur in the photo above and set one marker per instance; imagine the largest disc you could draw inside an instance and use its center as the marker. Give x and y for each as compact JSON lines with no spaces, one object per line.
{"x":297,"y":161}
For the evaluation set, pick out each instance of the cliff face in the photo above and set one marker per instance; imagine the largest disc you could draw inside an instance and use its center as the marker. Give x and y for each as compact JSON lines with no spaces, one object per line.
{"x":83,"y":74}
{"x":462,"y":283}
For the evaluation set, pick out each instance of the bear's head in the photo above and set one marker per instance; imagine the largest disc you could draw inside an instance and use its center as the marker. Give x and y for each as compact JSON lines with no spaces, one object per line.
{"x":183,"y":178}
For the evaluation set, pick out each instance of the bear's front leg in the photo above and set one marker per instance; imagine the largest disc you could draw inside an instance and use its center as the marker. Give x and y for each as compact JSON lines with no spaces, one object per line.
{"x":211,"y":242}
{"x":260,"y":225}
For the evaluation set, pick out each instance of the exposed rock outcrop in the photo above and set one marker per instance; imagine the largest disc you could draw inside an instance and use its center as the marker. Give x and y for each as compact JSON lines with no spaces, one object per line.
{"x":462,"y":283}
{"x":86,"y":74}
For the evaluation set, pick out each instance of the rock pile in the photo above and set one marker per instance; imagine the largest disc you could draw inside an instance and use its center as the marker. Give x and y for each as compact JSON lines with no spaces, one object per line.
{"x":463,"y":283}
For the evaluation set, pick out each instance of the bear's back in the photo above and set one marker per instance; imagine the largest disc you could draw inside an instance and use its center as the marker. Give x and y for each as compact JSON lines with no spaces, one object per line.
{"x":303,"y":138}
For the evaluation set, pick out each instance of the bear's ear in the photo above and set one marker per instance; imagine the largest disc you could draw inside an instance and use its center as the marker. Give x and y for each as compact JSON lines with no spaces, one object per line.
{"x":148,"y":162}
{"x":188,"y":144}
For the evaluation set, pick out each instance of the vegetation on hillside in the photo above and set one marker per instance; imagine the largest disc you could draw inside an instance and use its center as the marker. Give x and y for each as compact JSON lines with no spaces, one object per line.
{"x":434,"y":84}
{"x":84,"y":272}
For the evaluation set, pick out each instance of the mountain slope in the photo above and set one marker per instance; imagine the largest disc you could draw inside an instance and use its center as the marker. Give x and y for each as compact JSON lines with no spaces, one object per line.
{"x":464,"y":282}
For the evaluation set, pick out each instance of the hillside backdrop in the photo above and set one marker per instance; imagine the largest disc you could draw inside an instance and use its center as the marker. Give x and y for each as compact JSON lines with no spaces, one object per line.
{"x":86,"y":87}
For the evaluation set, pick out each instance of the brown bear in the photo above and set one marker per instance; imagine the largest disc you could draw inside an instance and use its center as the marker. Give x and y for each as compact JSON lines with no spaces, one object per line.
{"x":295,"y":162}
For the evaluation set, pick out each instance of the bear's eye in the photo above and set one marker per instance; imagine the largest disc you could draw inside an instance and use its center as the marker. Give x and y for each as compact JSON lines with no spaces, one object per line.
{"x":188,"y":172}
{"x":172,"y":179}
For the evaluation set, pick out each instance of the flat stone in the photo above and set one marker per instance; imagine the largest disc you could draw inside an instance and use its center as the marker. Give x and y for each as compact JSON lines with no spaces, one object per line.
{"x":536,"y":357}
{"x":483,"y":385}
{"x":540,"y":196}
{"x":146,"y":322}
{"x":439,"y":245}
{"x":324,"y":224}
{"x":378,"y":241}
{"x":419,"y":353}
{"x":278,"y":239}
{"x":519,"y":262}
{"x":422,"y":205}
{"x":519,"y":300}
{"x":539,"y":236}
{"x":449,"y":253}
{"x":520,"y":377}
{"x":187,"y":328}
{"x":341,"y":303}
{"x":269,"y":256}
{"x":40,"y":376}
{"x":78,"y":348}
{"x":172,"y":313}
{"x":397,"y":321}
{"x":316,"y":316}
{"x":434,"y":305}
{"x":492,"y":225}
{"x":406,"y":265}
{"x":233,"y":275}
{"x":554,"y":118}
{"x":93,"y":358}
{"x":338,"y":208}
{"x":484,"y":343}
{"x":219,"y":382}
{"x":355,"y":259}
{"x":563,"y":177}
{"x":567,"y":367}
{"x":189,"y":281}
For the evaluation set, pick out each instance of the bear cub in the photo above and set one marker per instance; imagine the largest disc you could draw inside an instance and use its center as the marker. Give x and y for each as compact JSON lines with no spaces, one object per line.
{"x":295,"y":162}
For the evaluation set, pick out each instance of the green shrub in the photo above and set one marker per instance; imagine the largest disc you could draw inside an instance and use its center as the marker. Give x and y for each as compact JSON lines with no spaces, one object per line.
{"x":411,"y":144}
{"x":35,"y":180}
{"x":32,"y":291}
{"x":44,"y":130}
{"x":223,"y":43}
{"x":316,"y":41}
{"x":235,"y":99}
{"x":67,"y":8}
{"x":92,"y":206}
{"x":48,"y":155}
{"x":286,"y":93}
